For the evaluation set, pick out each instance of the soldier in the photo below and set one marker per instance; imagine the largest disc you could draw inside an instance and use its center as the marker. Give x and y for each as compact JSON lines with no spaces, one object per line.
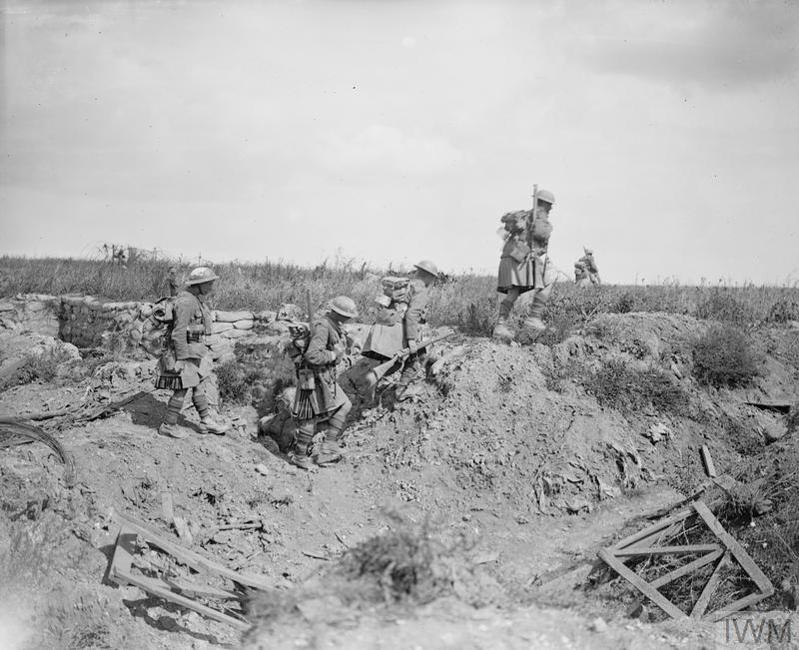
{"x":319,"y":398}
{"x":186,"y":364}
{"x":424,"y":276}
{"x":525,"y":268}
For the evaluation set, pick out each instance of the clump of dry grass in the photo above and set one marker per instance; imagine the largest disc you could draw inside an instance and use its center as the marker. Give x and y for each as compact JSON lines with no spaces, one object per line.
{"x":723,"y":356}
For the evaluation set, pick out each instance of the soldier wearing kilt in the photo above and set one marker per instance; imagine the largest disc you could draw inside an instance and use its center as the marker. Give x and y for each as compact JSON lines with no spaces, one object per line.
{"x":185,"y":365}
{"x":319,"y":398}
{"x":524,"y":267}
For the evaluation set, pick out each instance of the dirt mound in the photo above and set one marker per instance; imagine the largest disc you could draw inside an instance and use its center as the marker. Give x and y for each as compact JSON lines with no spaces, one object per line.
{"x":535,"y":455}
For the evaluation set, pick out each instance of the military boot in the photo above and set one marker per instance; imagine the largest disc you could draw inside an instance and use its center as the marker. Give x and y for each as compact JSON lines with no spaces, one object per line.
{"x":299,"y":454}
{"x":329,"y":453}
{"x":502,"y":332}
{"x":173,"y":431}
{"x":210,"y":424}
{"x":299,"y":457}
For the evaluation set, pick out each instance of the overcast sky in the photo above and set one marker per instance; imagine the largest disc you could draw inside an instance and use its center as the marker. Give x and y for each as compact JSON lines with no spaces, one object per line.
{"x":394,"y":130}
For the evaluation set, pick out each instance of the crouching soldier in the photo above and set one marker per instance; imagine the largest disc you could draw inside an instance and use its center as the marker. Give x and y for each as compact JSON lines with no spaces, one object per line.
{"x":524,"y":265}
{"x":280,"y":425}
{"x":319,"y":398}
{"x":185,"y":364}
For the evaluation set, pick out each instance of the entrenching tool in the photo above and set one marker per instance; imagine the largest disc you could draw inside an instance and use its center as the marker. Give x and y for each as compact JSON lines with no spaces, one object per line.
{"x":378,"y":372}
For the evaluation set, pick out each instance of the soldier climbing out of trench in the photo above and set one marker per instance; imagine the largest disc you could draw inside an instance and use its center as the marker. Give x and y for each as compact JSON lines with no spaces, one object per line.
{"x":186,"y":364}
{"x":399,"y":324}
{"x":524,"y":266}
{"x":319,"y":399}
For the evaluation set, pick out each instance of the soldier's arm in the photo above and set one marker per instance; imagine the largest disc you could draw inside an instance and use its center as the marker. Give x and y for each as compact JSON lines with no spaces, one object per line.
{"x":414,"y":313}
{"x":183,"y":314}
{"x":317,"y":353}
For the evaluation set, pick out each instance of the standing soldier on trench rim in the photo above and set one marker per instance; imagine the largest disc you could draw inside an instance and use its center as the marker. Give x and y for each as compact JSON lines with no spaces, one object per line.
{"x":319,"y":398}
{"x":524,"y":266}
{"x":186,"y":363}
{"x":425,"y":275}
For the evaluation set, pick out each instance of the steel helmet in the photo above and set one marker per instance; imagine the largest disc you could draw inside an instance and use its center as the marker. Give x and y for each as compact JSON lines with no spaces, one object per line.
{"x":344,"y":306}
{"x":428,"y":267}
{"x":546,"y":196}
{"x":201,"y":275}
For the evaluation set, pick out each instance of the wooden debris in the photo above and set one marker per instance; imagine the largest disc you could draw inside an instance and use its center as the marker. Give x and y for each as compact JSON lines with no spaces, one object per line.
{"x":179,"y":590}
{"x":641,"y":544}
{"x":710,"y":468}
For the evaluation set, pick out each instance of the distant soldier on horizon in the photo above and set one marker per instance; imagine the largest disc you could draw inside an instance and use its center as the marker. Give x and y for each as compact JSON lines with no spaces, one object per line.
{"x":186,"y":363}
{"x":524,"y":265}
{"x":586,"y":272}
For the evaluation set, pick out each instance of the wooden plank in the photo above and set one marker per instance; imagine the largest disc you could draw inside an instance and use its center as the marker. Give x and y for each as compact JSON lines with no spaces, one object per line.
{"x":184,"y":587}
{"x":160,"y":589}
{"x":686,"y":569}
{"x":122,"y":559}
{"x":663,"y":550}
{"x":167,"y":508}
{"x":738,"y":552}
{"x":735,"y":606}
{"x":640,"y":584}
{"x":678,"y":573}
{"x":654,"y":528}
{"x":707,"y":459}
{"x":710,"y":586}
{"x":194,"y":560}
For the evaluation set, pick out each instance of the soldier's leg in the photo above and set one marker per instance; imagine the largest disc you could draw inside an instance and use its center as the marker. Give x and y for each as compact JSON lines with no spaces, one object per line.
{"x":173,"y":408}
{"x":209,"y":423}
{"x":410,"y":373}
{"x":534,"y":323}
{"x":502,"y":331}
{"x":331,"y":450}
{"x":302,"y":445}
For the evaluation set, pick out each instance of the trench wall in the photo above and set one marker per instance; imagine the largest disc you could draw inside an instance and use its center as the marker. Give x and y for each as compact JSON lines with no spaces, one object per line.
{"x":90,"y":322}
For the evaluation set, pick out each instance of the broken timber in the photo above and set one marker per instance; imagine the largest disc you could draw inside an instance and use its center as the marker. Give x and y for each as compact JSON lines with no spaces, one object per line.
{"x":727,"y":548}
{"x":175,"y":590}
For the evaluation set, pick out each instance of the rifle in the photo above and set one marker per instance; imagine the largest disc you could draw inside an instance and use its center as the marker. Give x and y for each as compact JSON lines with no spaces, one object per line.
{"x":378,"y":372}
{"x":531,"y":218}
{"x":309,"y":308}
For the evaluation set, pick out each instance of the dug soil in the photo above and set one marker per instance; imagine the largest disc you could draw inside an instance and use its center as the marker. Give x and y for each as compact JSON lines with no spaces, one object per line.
{"x":508,"y":469}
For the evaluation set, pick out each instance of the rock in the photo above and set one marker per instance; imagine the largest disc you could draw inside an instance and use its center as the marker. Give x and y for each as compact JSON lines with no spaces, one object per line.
{"x":244,"y":324}
{"x":598,"y":625}
{"x":658,"y":431}
{"x":233,"y":316}
{"x":773,"y":431}
{"x":220,"y":326}
{"x":262,"y":469}
{"x":265,"y":316}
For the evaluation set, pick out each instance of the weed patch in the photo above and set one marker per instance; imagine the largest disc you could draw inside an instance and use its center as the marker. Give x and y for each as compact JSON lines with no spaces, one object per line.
{"x":628,"y":389}
{"x":407,"y":562}
{"x":723,"y":357}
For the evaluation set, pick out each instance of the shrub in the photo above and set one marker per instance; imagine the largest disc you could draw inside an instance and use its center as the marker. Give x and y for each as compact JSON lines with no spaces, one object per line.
{"x":407,"y":562}
{"x":42,"y":366}
{"x":721,"y":305}
{"x":724,"y":357}
{"x":629,"y":389}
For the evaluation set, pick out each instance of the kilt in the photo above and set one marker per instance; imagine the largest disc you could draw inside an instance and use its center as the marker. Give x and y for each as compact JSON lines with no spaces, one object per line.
{"x":525,"y":276}
{"x":195,"y":374}
{"x":322,"y":400}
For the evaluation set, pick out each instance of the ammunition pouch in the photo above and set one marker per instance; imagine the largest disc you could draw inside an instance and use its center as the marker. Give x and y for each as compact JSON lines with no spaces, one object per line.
{"x":194,"y":337}
{"x":306,"y":379}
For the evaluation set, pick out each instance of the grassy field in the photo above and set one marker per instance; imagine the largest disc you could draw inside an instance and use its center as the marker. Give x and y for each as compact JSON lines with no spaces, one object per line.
{"x":466,"y":301}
